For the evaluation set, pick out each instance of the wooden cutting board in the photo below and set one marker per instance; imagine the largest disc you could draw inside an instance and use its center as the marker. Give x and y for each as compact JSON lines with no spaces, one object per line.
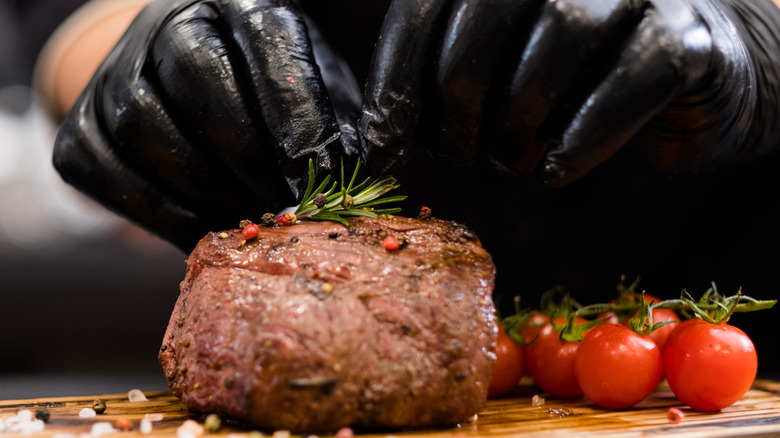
{"x":758,"y":413}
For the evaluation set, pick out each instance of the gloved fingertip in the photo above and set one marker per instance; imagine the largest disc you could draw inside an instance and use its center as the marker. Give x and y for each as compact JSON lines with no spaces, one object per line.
{"x":556,"y":174}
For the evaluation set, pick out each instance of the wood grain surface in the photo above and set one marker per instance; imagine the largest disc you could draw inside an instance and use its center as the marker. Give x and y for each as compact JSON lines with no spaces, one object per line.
{"x":757,"y":414}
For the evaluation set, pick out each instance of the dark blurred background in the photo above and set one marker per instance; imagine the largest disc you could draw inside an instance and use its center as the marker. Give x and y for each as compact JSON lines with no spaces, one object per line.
{"x":84,"y":296}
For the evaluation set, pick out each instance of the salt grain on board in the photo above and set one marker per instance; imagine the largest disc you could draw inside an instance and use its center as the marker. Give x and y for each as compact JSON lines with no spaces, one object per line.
{"x":87,"y":413}
{"x":154,"y":417}
{"x":22,"y":422}
{"x":135,"y":395}
{"x":146,"y":426}
{"x":190,"y":429}
{"x":102,"y":428}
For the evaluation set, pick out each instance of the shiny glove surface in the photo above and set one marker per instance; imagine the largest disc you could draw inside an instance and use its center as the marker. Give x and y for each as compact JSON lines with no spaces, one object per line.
{"x":554,"y":88}
{"x":206,"y":113}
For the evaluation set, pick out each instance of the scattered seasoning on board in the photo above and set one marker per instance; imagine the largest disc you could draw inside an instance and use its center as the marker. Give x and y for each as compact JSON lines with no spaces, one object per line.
{"x":43,"y":414}
{"x":102,"y":428}
{"x":561,"y":412}
{"x":124,"y":424}
{"x":537,"y":401}
{"x":213,"y":423}
{"x":154,"y":417}
{"x":675,"y":415}
{"x":135,"y":395}
{"x":145,"y":426}
{"x":189,"y":429}
{"x":22,"y":422}
{"x":345,"y":432}
{"x":87,"y":413}
{"x":99,"y":406}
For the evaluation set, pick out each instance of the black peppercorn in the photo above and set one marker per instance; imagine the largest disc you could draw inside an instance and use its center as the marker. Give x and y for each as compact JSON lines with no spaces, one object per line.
{"x":43,"y":414}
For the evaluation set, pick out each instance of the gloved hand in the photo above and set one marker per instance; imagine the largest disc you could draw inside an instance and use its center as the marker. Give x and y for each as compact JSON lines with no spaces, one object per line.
{"x":554,"y":88}
{"x":206,"y":113}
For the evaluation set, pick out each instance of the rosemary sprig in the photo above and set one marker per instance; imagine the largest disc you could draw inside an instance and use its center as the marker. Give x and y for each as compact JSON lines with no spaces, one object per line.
{"x":329,"y":204}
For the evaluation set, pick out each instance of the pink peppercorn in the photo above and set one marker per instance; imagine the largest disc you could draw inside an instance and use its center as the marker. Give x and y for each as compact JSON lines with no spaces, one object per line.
{"x":675,"y":415}
{"x":287,"y":219}
{"x":250,"y":231}
{"x":391,"y":243}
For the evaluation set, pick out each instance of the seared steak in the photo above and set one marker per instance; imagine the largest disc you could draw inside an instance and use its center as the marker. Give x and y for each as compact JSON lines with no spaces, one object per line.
{"x":317,"y":326}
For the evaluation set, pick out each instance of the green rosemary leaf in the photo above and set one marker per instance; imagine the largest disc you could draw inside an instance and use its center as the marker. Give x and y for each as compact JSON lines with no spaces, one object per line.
{"x":382,"y":201}
{"x":310,"y":184}
{"x":354,"y":175}
{"x":337,"y":201}
{"x":358,"y":212}
{"x":328,"y":216}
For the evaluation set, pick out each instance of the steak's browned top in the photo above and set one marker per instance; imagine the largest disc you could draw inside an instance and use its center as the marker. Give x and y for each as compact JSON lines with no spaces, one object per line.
{"x":316,"y":326}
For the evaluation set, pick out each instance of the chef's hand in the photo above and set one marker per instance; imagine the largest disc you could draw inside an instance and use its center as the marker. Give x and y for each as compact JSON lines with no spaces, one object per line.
{"x":206,"y":113}
{"x":555,"y":88}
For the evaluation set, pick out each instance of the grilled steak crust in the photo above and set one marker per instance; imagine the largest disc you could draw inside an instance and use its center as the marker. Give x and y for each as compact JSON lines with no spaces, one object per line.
{"x":317,"y":326}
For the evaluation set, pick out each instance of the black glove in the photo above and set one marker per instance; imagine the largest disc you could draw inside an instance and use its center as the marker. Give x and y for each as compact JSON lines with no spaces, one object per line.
{"x":206,"y":113}
{"x":555,"y":88}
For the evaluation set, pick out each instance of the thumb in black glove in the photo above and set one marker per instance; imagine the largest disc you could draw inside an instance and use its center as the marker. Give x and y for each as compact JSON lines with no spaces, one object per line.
{"x":206,"y":113}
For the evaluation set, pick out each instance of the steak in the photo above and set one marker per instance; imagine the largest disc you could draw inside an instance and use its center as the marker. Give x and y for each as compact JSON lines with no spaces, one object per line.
{"x":317,"y":326}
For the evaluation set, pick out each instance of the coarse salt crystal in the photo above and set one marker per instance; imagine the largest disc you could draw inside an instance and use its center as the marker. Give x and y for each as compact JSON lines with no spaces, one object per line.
{"x":154,"y":417}
{"x":282,"y":434}
{"x":102,"y":428}
{"x":24,"y":415}
{"x":345,"y":432}
{"x":87,"y":413}
{"x":146,"y":426}
{"x":473,"y":418}
{"x":22,"y":422}
{"x":537,"y":401}
{"x":189,"y":429}
{"x":136,"y":395}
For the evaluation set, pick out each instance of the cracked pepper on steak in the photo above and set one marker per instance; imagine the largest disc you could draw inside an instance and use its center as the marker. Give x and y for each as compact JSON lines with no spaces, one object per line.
{"x":317,"y":326}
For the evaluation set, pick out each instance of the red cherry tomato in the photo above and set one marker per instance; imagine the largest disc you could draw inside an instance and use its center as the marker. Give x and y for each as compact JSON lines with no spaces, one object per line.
{"x":709,"y":366}
{"x":616,"y":367}
{"x":550,"y":362}
{"x":530,"y":331}
{"x":660,"y":335}
{"x":509,"y":366}
{"x":659,"y":315}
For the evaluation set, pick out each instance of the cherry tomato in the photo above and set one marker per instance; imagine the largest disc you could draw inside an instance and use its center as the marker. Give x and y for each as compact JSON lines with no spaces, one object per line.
{"x":659,"y":315}
{"x":616,"y":367}
{"x":660,"y":335}
{"x":509,"y":366}
{"x":550,"y":362}
{"x":709,"y":366}
{"x":530,"y":331}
